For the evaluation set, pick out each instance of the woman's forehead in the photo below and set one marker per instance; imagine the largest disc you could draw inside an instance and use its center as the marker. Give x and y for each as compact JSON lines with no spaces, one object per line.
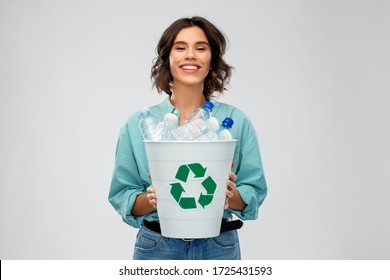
{"x":193,"y":34}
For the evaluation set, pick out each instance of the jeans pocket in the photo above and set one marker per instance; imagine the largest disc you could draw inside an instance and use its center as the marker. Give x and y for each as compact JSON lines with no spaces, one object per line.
{"x":226,"y":241}
{"x":148,"y":240}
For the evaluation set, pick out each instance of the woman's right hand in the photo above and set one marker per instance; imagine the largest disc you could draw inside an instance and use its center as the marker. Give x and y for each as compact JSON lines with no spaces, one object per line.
{"x":151,"y":196}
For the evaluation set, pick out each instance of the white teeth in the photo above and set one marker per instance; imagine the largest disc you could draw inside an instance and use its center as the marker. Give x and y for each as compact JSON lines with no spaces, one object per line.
{"x":190,"y":67}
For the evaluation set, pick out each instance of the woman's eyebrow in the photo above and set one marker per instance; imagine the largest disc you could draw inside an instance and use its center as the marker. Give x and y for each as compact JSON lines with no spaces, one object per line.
{"x":185,"y":43}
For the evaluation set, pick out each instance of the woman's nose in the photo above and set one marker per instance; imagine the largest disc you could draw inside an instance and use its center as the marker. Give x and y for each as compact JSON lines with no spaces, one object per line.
{"x":190,"y":54}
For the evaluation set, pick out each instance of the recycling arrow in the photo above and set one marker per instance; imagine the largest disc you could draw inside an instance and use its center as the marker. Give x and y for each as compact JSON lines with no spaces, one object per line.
{"x":182,"y":175}
{"x":184,"y":171}
{"x":210,"y":186}
{"x":197,"y":169}
{"x":184,"y":202}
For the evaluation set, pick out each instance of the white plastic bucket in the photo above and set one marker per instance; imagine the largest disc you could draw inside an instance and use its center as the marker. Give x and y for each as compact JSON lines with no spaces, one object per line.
{"x":190,"y":182}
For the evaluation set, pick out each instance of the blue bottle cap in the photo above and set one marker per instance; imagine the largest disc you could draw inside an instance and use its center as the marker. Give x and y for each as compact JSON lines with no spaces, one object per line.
{"x":208,"y":105}
{"x":227,"y":123}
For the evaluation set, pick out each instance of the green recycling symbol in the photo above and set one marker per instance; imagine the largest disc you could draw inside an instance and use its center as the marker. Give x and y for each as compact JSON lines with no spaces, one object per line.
{"x":208,"y":184}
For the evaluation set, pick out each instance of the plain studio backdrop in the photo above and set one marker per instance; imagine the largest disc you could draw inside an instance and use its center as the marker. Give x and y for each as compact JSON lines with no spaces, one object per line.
{"x":313,"y":76}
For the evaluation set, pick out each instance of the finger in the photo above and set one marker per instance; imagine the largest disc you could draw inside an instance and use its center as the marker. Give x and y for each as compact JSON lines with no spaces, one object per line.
{"x":229,"y":194}
{"x":226,"y":206}
{"x":154,"y":203}
{"x":232,"y":176}
{"x":152,"y":199}
{"x":230,"y":185}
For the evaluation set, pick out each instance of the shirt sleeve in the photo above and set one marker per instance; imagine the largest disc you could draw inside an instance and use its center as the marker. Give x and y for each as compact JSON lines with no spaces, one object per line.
{"x":127,"y":182}
{"x":251,"y":183}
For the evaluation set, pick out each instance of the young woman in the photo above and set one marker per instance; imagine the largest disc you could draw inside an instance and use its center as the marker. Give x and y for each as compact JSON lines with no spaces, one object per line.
{"x":189,"y":68}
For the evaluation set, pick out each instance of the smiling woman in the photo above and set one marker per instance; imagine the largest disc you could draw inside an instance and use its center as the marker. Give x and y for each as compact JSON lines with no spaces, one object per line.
{"x":190,"y":60}
{"x":210,"y":39}
{"x":189,"y":68}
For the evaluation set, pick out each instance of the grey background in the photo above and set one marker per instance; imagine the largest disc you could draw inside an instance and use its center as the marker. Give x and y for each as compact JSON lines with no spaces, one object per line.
{"x":312,"y":75}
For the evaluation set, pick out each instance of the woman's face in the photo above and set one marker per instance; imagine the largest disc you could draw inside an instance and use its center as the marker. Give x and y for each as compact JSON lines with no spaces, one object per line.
{"x":190,"y":57}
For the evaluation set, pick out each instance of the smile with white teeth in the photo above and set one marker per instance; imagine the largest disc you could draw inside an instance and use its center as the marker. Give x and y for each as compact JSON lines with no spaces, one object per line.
{"x":189,"y":67}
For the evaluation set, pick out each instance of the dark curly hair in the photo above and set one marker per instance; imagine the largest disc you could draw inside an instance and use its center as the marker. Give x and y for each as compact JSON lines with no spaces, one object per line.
{"x":220,"y":73}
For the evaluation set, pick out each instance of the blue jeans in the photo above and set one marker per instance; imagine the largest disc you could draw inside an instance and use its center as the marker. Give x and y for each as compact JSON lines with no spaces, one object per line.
{"x":150,"y":245}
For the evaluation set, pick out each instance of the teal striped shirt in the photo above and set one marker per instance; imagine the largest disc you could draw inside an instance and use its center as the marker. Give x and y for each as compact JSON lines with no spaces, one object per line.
{"x":130,"y":176}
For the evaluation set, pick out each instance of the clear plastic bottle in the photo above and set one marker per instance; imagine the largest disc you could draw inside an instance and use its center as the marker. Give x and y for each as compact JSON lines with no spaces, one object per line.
{"x":197,"y":129}
{"x":189,"y":131}
{"x":211,"y":132}
{"x":224,"y":132}
{"x":148,"y":125}
{"x":203,"y":112}
{"x":197,"y":125}
{"x":170,"y":123}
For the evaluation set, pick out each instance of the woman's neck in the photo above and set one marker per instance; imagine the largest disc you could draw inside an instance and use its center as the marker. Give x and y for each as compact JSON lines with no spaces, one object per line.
{"x":186,"y":99}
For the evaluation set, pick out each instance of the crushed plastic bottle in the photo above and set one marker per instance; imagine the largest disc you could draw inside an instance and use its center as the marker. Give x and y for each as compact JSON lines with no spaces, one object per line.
{"x":204,"y":112}
{"x":189,"y":131}
{"x":211,"y":132}
{"x":201,"y":126}
{"x":170,"y":123}
{"x":149,"y":125}
{"x":224,"y":132}
{"x":196,"y":129}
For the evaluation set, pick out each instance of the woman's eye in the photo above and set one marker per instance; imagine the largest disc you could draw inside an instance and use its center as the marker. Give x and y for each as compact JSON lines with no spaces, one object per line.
{"x":180,"y":48}
{"x":201,"y":48}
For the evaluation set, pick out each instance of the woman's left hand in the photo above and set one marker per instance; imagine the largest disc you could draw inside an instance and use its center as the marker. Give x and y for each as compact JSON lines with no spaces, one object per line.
{"x":230,"y":188}
{"x":233,"y":198}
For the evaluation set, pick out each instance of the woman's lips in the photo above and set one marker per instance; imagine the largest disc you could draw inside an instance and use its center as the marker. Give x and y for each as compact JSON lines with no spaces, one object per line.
{"x":190,"y":68}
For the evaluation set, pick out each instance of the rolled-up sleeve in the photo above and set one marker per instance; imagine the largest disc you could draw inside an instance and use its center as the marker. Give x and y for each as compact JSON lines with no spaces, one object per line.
{"x":251,"y":183}
{"x":126,"y":182}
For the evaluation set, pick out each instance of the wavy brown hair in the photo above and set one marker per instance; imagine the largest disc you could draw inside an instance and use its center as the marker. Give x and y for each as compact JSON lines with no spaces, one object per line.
{"x":220,"y":71}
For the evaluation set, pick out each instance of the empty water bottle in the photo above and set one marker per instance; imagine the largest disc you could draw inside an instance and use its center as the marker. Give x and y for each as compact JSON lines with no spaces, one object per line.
{"x":224,"y":132}
{"x":148,"y":125}
{"x":197,"y":129}
{"x":189,"y":131}
{"x":170,"y":123}
{"x":203,"y":112}
{"x":211,"y":132}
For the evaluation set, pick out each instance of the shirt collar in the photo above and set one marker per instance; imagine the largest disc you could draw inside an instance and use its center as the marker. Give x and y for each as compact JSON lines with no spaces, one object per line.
{"x":167,"y":107}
